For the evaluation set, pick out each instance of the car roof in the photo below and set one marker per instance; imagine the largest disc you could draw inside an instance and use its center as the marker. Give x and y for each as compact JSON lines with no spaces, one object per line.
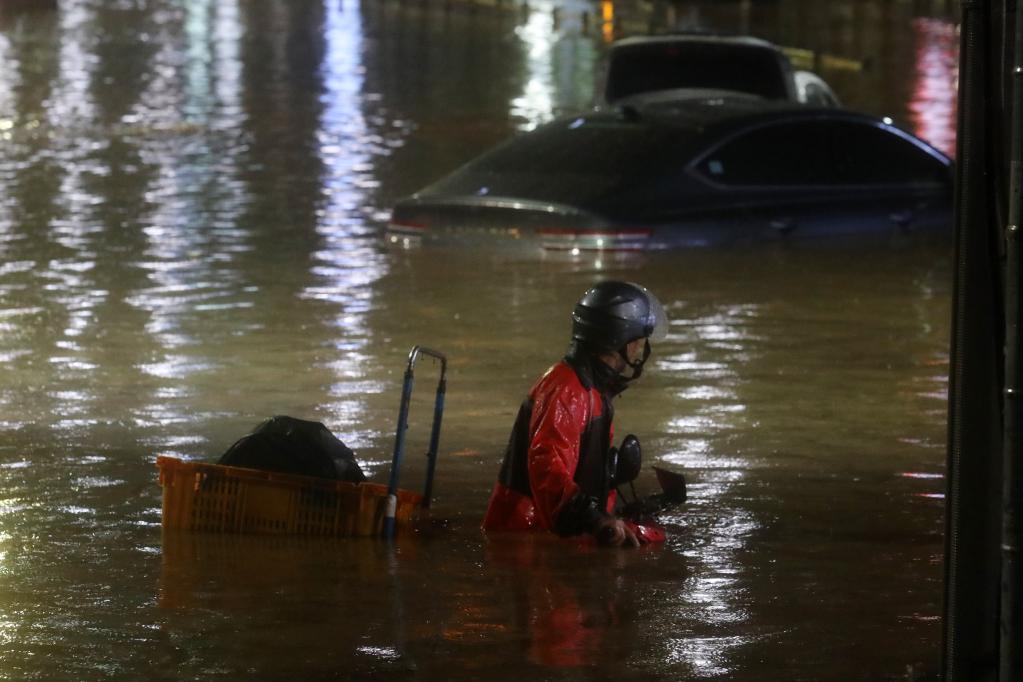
{"x":619,"y":137}
{"x":651,"y":63}
{"x":696,"y":37}
{"x":720,"y":110}
{"x":717,"y":118}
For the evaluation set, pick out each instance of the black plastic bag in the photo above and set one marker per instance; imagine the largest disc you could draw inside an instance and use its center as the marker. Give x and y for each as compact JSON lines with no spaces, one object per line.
{"x":295,"y":446}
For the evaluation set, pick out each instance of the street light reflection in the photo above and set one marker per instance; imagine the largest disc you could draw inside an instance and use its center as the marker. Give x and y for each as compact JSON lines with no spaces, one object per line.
{"x":347,"y":264}
{"x":705,"y":654}
{"x":719,"y":344}
{"x":536,"y":103}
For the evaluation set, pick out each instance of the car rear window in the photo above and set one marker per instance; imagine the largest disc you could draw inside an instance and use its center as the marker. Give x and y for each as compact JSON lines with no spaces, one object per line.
{"x":827,"y":152}
{"x":648,"y":68}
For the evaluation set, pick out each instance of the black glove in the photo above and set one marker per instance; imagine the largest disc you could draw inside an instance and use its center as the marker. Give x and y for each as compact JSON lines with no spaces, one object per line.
{"x":582,"y":514}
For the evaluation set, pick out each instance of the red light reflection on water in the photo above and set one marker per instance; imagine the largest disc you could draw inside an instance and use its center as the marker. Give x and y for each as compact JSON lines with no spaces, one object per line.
{"x":932,"y":109}
{"x":925,"y":476}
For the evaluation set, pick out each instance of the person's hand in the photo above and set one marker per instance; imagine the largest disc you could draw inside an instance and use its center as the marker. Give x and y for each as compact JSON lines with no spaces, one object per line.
{"x":615,"y":532}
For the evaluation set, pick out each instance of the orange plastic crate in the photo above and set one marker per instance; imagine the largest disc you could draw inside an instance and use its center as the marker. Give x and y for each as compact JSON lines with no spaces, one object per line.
{"x":223,"y":499}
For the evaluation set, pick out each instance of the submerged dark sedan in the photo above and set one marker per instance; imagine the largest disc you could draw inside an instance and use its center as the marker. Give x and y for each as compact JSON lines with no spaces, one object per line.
{"x":706,"y":171}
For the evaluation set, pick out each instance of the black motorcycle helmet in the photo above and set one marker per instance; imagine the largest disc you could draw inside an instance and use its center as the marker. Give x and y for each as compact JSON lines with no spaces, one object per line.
{"x":612,"y":314}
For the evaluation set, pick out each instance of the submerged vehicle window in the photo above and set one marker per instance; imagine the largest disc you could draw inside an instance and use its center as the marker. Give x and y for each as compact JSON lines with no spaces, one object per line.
{"x":867,"y":154}
{"x":581,"y":149}
{"x":754,"y":70}
{"x":826,"y":152}
{"x":779,"y":154}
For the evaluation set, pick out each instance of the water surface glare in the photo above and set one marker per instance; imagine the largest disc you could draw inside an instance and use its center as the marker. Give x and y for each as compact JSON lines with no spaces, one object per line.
{"x":192,"y":204}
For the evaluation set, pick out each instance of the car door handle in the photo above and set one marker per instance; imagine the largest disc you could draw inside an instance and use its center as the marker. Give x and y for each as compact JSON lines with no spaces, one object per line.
{"x":901,"y":218}
{"x":782,"y":225}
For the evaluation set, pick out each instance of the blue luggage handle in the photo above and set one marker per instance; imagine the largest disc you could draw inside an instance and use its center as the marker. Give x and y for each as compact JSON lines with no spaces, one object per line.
{"x":399,"y":438}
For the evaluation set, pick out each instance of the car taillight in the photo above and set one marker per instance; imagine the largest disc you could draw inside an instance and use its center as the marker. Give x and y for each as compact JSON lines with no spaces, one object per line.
{"x":566,"y":239}
{"x":407,"y":226}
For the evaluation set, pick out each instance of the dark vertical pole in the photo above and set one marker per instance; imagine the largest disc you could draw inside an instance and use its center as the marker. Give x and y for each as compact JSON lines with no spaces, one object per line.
{"x":431,"y":455}
{"x":399,"y":451}
{"x":973,"y":507}
{"x":1011,"y":669}
{"x":399,"y":436}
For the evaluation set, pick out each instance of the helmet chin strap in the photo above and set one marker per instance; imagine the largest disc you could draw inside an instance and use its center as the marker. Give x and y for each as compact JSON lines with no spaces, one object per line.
{"x":637,"y":366}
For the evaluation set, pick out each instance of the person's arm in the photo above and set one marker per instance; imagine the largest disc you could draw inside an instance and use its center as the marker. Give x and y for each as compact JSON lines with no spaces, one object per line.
{"x":560,"y":412}
{"x":560,"y":415}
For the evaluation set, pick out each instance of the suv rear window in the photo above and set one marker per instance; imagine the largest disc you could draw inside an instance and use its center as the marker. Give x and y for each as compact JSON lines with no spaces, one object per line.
{"x":647,"y":68}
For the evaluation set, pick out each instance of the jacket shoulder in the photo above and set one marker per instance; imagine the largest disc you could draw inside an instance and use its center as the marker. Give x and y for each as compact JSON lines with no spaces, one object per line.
{"x":561,"y":383}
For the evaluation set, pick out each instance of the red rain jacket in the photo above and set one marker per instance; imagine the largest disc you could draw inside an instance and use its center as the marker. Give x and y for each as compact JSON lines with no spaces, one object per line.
{"x":538,"y":474}
{"x":555,"y":471}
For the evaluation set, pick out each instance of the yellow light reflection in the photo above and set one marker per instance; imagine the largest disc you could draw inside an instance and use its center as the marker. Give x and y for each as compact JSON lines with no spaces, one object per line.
{"x":607,"y":15}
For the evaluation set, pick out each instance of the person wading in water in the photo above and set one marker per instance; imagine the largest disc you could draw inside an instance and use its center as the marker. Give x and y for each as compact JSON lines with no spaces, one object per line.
{"x":559,"y":468}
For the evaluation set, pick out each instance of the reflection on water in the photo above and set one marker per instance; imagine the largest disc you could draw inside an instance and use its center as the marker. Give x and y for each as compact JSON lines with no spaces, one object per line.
{"x":535,"y":106}
{"x":932,"y":109}
{"x":347,"y":262}
{"x":533,"y":596}
{"x":190,"y":241}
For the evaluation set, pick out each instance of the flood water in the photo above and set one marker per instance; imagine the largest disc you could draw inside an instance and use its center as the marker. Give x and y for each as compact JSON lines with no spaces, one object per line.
{"x":192,"y":203}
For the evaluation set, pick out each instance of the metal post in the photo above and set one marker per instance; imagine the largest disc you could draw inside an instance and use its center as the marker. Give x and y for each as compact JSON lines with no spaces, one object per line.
{"x":977,"y":362}
{"x":431,"y":455}
{"x":399,"y":436}
{"x":1011,"y":668}
{"x":399,"y":450}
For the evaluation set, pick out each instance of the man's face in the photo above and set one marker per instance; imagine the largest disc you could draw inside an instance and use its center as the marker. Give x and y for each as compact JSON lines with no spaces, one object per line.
{"x":635,"y":350}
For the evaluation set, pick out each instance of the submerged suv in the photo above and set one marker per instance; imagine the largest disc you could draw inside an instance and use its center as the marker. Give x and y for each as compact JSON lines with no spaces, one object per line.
{"x":661,"y":65}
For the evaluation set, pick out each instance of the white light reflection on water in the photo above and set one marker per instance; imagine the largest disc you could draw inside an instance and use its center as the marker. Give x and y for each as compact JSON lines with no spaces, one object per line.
{"x":706,"y":654}
{"x":9,"y":81}
{"x":199,"y":55}
{"x":536,"y":103}
{"x":192,"y":236}
{"x":176,"y":367}
{"x":64,"y":286}
{"x":559,"y":65}
{"x":688,"y":363}
{"x":8,"y":627}
{"x":718,"y":344}
{"x":348,"y":264}
{"x":71,"y":104}
{"x":385,"y":653}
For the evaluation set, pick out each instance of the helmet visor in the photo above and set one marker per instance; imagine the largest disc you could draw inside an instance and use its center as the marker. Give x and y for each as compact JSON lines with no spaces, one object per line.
{"x":657,"y":320}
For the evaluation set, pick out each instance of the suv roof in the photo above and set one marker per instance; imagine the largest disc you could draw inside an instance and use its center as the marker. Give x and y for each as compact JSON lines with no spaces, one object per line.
{"x":676,"y":62}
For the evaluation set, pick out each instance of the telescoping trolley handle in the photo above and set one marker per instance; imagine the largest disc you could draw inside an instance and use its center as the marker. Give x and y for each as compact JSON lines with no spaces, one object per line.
{"x":399,"y":438}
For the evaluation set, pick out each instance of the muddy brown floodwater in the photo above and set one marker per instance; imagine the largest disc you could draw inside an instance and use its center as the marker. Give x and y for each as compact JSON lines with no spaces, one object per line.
{"x":192,"y":203}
